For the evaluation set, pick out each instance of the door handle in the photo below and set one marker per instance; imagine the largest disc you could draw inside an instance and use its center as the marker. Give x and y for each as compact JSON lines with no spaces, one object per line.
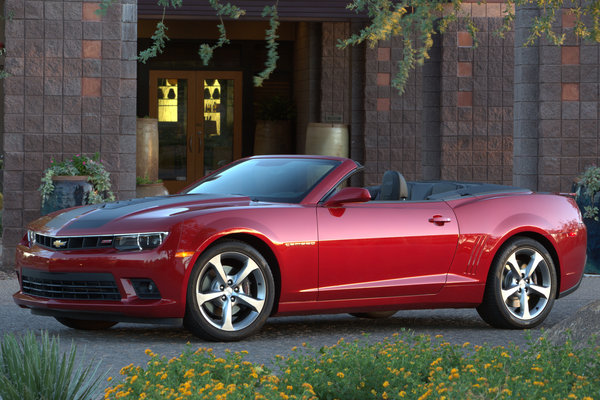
{"x":439,"y":220}
{"x":191,"y":144}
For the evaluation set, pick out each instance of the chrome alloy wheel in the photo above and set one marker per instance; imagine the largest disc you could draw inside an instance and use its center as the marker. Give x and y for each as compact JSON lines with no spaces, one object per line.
{"x":526,"y":283}
{"x":231,"y":291}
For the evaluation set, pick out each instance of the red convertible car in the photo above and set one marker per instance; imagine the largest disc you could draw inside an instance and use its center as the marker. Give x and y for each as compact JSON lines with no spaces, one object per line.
{"x":282,"y":235}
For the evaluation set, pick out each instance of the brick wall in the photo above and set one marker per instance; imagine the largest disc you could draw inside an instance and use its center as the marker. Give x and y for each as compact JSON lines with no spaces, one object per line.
{"x":477,"y":104}
{"x":71,"y":90}
{"x":556,"y":128}
{"x":392,"y":130}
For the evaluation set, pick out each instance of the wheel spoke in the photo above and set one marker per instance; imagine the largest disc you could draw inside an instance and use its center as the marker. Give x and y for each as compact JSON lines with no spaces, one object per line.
{"x":206,"y":297}
{"x":255,"y":304}
{"x":227,"y":316}
{"x":514,"y":265}
{"x":246,"y":270}
{"x":216,"y":263}
{"x":524,"y":305}
{"x":541,"y":290}
{"x":533,"y":264}
{"x":506,"y":293}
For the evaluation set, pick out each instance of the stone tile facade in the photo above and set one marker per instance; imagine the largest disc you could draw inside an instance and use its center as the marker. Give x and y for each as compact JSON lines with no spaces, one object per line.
{"x":71,"y":90}
{"x":476,"y":104}
{"x":498,"y":112}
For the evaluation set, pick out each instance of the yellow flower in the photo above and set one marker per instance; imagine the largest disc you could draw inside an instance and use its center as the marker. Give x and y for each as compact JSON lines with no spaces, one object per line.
{"x":109,"y":379}
{"x":133,"y":378}
{"x":189,"y":374}
{"x":340,"y":375}
{"x":402,"y":393}
{"x":386,"y":384}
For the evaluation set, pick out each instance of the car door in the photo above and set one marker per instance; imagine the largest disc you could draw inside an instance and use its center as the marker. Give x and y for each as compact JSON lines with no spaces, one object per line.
{"x":381,"y":249}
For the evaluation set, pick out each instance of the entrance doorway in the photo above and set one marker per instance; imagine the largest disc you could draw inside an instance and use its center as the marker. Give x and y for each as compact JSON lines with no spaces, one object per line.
{"x":199,"y":122}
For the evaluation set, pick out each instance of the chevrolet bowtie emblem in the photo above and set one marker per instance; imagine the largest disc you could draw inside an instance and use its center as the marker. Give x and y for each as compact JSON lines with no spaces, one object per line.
{"x":59,"y":243}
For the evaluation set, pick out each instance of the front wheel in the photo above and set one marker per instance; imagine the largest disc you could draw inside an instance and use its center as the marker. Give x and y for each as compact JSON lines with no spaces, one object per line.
{"x":521,"y":286}
{"x":230,"y":292}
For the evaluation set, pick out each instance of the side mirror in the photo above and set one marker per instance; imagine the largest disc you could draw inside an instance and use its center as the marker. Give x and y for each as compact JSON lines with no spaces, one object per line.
{"x":348,"y":195}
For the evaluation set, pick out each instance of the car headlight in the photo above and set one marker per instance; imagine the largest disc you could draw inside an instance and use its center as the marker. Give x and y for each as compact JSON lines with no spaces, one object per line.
{"x":139,"y":241}
{"x":30,"y":238}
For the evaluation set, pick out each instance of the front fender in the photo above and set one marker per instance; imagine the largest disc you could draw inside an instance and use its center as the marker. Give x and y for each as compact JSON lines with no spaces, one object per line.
{"x":279,"y":228}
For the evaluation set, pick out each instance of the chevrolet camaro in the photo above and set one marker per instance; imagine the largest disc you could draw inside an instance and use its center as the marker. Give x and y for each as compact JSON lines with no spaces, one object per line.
{"x":284,"y":235}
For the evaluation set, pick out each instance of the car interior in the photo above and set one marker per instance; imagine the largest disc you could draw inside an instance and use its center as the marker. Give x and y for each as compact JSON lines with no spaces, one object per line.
{"x":394,"y":187}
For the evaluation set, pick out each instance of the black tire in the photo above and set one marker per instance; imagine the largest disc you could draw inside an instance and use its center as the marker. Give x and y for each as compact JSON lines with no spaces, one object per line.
{"x":522,"y":270}
{"x":230,"y":292}
{"x":374,"y":314}
{"x":85,"y":324}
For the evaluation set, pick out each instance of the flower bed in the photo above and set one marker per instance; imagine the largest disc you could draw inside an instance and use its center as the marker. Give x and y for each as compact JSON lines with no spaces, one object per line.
{"x":405,"y":366}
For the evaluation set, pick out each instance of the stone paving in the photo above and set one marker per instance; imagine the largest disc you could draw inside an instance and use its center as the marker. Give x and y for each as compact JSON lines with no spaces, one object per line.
{"x":125,"y":343}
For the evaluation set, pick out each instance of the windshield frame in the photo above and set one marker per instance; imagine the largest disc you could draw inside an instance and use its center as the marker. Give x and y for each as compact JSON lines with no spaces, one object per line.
{"x":292,"y":197}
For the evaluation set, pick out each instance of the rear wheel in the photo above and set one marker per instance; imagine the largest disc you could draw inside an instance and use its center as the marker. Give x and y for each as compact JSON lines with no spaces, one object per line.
{"x":521,"y":286}
{"x":86,"y":325}
{"x":374,"y":314}
{"x":230,"y":292}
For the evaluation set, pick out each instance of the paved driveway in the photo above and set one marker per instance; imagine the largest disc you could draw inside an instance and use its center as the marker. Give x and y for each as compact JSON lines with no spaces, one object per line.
{"x":125,"y":343}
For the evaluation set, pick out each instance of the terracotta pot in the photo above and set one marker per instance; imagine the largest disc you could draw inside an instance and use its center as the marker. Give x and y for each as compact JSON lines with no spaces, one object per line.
{"x":327,"y":139}
{"x":69,"y":191}
{"x":147,"y":148}
{"x":151,"y":190}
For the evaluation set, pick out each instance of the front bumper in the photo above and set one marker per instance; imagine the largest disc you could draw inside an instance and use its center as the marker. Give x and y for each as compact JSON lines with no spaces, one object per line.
{"x":100,"y":284}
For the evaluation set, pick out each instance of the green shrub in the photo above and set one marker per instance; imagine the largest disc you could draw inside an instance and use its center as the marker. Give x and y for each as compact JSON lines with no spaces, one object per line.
{"x":405,"y":366}
{"x":36,"y":370}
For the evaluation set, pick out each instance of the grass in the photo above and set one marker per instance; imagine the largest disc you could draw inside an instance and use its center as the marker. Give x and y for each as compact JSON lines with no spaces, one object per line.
{"x":35,"y":369}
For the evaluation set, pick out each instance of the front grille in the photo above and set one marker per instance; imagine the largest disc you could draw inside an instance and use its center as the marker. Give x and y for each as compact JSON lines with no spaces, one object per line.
{"x":74,"y":243}
{"x":70,"y":286}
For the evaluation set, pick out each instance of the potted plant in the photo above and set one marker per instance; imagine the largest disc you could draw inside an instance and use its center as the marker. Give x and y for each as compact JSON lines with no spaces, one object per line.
{"x":76,"y":181}
{"x":273,"y":126}
{"x":587,"y":188}
{"x":146,"y":187}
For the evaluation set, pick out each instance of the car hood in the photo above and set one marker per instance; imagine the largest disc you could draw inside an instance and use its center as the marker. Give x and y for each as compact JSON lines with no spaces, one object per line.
{"x":150,"y":214}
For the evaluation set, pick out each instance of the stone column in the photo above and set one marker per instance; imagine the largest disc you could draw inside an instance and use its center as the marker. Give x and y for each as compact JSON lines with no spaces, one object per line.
{"x":526,"y":106}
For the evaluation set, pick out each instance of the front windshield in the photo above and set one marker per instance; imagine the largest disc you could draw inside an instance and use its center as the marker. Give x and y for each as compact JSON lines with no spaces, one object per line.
{"x":280,"y":180}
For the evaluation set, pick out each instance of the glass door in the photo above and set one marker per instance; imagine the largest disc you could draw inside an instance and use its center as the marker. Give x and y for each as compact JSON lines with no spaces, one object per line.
{"x":199,"y":123}
{"x":221,"y":94}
